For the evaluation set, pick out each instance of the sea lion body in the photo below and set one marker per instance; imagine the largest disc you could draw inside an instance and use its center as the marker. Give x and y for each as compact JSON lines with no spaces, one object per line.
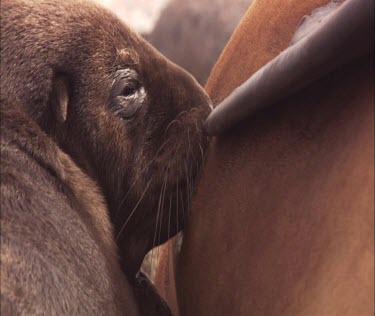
{"x":77,"y":83}
{"x":58,"y":256}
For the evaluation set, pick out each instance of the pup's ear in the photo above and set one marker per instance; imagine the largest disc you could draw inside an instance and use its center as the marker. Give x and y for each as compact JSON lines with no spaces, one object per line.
{"x":60,"y":98}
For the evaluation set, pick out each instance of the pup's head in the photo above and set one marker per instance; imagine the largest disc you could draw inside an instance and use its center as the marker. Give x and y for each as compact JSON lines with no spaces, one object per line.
{"x":127,"y":116}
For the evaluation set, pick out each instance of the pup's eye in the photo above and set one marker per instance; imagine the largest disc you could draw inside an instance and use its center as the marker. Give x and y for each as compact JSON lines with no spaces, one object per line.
{"x":127,"y":95}
{"x":130,"y":89}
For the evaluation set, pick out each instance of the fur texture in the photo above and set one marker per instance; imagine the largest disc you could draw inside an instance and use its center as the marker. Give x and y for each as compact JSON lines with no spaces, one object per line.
{"x":101,"y":143}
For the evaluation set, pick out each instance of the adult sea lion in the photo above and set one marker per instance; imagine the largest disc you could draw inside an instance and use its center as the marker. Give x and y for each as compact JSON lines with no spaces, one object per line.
{"x":101,"y":142}
{"x":286,"y":203}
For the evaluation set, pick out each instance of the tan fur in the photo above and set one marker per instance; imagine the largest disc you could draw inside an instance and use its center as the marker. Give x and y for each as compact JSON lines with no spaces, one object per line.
{"x":283,"y":219}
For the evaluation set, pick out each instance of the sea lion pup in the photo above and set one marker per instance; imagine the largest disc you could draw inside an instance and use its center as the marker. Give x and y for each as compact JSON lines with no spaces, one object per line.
{"x":93,"y":116}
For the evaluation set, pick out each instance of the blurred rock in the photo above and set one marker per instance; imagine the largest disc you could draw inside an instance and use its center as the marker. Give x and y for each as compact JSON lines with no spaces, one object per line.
{"x":140,"y":15}
{"x":193,"y":33}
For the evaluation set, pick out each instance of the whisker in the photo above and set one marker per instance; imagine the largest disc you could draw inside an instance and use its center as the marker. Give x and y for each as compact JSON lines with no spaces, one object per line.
{"x":182,"y":207}
{"x":162,"y":211}
{"x":177,"y":206}
{"x":193,"y":109}
{"x":157,"y":222}
{"x":169,"y":164}
{"x":132,"y":212}
{"x":188,"y":136}
{"x":187,"y":189}
{"x":159,"y":207}
{"x":196,"y":126}
{"x":190,"y":188}
{"x":164,"y":190}
{"x":169,"y":216}
{"x":139,"y":175}
{"x":202,"y":154}
{"x":170,"y":124}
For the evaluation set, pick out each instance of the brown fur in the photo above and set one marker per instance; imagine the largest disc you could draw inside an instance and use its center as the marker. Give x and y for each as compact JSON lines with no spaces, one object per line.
{"x":57,"y":249}
{"x":70,"y":160}
{"x":283,"y":220}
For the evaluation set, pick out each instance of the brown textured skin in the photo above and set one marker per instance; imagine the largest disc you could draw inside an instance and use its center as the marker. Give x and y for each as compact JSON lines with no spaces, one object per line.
{"x":149,"y":155}
{"x":282,"y":223}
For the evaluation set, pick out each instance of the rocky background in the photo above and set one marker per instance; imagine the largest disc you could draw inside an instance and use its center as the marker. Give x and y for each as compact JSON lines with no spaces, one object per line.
{"x":192,"y":33}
